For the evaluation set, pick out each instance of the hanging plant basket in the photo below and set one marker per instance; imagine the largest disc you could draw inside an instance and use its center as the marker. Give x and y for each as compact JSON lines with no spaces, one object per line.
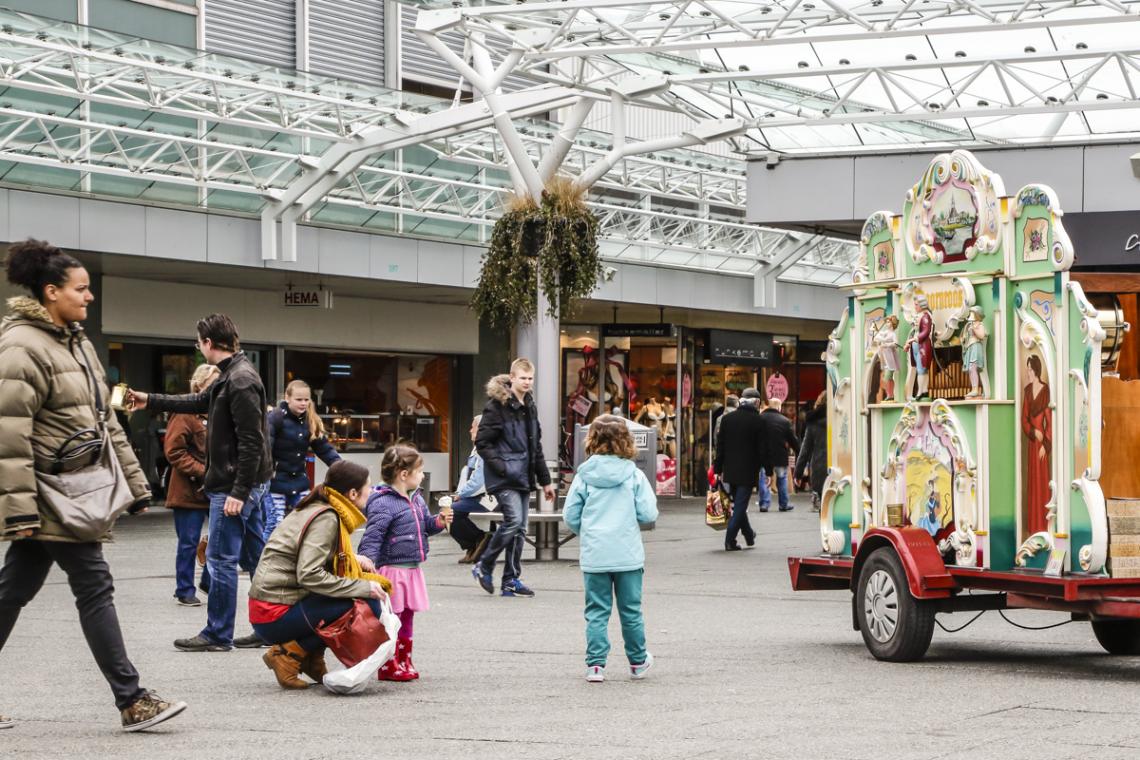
{"x":555,"y":241}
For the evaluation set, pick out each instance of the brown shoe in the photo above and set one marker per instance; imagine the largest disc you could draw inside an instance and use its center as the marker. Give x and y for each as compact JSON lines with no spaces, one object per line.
{"x":314,"y":665}
{"x":149,"y":710}
{"x":202,"y":543}
{"x":285,"y":662}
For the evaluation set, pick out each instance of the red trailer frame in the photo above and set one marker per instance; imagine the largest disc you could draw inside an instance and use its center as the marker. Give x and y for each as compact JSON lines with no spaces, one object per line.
{"x":1111,"y":604}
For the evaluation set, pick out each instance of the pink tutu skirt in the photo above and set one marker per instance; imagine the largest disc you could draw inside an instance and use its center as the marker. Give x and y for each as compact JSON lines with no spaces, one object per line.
{"x":409,"y":592}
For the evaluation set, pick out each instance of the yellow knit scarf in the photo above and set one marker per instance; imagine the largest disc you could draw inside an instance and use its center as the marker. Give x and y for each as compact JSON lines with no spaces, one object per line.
{"x":345,"y":564}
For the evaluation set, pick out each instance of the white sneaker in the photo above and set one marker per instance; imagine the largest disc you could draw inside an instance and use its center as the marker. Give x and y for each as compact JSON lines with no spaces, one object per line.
{"x":6,"y":722}
{"x":637,"y":672}
{"x":595,"y":673}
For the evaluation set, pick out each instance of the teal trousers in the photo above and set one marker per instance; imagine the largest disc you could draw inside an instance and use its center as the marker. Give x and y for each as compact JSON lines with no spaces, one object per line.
{"x":602,"y":589}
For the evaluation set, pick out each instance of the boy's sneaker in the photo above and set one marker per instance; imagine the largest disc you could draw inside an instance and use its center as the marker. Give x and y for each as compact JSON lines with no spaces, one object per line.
{"x":485,"y":580}
{"x":595,"y":673}
{"x":516,"y":588}
{"x":637,"y":672}
{"x":149,"y":710}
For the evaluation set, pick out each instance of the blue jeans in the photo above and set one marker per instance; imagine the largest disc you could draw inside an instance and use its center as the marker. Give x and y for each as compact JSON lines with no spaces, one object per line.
{"x":301,"y":622}
{"x":234,"y":542}
{"x":601,"y":590}
{"x":739,"y":523}
{"x":188,"y":527}
{"x":781,"y":488}
{"x":509,"y":538}
{"x":277,"y":505}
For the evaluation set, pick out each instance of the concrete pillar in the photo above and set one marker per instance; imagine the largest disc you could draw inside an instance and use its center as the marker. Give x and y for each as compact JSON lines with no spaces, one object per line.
{"x":540,"y":342}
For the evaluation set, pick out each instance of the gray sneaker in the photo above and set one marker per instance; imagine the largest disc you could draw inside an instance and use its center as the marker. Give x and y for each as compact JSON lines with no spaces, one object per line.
{"x":595,"y":673}
{"x":149,"y":710}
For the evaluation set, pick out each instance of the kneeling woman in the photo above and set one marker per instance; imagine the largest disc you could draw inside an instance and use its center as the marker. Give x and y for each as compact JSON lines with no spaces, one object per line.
{"x":309,"y":576}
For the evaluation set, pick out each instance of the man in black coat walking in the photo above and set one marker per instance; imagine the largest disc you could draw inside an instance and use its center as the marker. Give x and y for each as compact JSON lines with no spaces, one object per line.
{"x":509,"y":441}
{"x":739,"y":456}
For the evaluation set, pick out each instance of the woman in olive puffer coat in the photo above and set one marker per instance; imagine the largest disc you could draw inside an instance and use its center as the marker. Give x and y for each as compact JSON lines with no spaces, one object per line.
{"x":51,"y":386}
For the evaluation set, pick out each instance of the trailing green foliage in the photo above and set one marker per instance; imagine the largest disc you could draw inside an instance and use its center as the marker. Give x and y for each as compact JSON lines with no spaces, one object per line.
{"x":556,"y":241}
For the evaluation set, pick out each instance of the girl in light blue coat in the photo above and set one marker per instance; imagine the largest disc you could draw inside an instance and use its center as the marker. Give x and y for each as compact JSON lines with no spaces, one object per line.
{"x":608,"y":499}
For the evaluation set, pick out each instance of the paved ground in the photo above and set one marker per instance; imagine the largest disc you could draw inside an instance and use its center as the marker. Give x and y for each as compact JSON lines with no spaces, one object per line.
{"x":745,"y":668}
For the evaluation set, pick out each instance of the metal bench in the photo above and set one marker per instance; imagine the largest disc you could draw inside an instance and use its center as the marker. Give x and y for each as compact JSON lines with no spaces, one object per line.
{"x":546,"y":541}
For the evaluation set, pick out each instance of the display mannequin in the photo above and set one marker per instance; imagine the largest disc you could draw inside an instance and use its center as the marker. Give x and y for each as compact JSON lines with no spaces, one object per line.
{"x":670,"y":430}
{"x":655,"y":414}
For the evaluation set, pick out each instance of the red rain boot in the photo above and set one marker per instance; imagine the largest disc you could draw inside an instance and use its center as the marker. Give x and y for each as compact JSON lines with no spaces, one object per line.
{"x":394,"y":669}
{"x":404,"y":652}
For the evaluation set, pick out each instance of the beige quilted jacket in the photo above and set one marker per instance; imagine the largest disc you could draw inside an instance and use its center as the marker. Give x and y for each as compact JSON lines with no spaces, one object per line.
{"x":46,"y":396}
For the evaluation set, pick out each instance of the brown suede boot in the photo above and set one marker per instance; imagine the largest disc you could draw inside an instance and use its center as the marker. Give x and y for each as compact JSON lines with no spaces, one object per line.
{"x":314,"y":665}
{"x":285,"y":662}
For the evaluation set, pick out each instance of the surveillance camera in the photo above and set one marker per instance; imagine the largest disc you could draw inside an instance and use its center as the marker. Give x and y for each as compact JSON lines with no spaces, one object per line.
{"x":771,"y":160}
{"x":608,"y":274}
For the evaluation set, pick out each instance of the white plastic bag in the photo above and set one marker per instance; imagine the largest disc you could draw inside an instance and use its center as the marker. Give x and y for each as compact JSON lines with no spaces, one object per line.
{"x":353,"y":680}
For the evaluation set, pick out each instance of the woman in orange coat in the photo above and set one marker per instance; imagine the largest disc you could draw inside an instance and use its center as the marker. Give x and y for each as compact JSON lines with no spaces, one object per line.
{"x":185,"y":448}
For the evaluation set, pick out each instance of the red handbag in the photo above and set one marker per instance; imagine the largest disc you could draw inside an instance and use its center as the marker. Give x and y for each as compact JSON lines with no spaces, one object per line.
{"x":355,"y":635}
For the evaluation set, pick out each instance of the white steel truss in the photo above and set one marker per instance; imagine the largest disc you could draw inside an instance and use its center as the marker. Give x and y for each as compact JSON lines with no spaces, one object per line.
{"x":101,"y":104}
{"x":820,"y":75}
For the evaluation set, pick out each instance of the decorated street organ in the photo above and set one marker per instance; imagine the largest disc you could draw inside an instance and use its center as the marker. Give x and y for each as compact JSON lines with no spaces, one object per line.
{"x":964,"y":417}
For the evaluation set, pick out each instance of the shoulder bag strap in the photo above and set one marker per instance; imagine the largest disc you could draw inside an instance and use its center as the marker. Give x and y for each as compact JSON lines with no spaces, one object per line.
{"x":305,"y":527}
{"x":100,"y":409}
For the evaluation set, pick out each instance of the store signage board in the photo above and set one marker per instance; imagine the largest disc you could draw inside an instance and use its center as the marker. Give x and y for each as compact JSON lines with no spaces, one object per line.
{"x":318,"y":298}
{"x":638,"y":330}
{"x":1106,"y":238}
{"x":735,"y":347}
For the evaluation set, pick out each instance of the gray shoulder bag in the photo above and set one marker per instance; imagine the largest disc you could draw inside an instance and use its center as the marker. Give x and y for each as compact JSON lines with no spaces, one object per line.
{"x":83,"y":484}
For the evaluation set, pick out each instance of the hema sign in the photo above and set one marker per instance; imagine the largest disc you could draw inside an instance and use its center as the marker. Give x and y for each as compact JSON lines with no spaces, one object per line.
{"x":312,"y":297}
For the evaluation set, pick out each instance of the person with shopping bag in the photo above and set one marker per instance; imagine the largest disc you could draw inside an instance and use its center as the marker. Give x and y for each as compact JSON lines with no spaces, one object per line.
{"x":309,"y":578}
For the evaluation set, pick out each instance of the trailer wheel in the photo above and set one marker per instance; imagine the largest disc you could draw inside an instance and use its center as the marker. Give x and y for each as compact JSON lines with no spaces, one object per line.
{"x":1118,"y":636}
{"x":896,"y":627}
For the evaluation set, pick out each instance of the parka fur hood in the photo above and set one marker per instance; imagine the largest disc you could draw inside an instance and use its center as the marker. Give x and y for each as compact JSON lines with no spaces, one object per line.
{"x":499,"y":388}
{"x":29,"y":310}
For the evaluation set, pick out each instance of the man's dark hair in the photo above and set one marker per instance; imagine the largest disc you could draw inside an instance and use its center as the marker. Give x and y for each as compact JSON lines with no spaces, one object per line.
{"x":219,"y":330}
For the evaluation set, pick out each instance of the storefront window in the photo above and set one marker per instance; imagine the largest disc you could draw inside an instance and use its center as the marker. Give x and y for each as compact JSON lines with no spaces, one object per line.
{"x":582,"y":366}
{"x":370,"y":401}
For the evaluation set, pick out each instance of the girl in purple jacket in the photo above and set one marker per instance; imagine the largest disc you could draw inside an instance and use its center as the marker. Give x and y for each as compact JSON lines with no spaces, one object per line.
{"x":396,"y":540}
